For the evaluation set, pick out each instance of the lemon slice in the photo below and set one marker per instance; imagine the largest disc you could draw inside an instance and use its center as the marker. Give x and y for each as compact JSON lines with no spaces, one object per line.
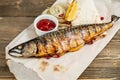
{"x":71,"y":11}
{"x":57,"y":10}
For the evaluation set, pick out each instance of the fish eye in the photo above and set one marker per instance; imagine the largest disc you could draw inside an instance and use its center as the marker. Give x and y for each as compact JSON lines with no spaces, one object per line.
{"x":19,"y":47}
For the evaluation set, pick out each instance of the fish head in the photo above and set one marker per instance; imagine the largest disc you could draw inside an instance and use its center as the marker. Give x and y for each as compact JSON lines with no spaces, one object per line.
{"x":24,"y":50}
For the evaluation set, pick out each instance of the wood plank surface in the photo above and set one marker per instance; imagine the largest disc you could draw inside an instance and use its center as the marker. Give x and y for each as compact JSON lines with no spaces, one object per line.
{"x":78,"y":79}
{"x":16,"y":15}
{"x":23,"y":7}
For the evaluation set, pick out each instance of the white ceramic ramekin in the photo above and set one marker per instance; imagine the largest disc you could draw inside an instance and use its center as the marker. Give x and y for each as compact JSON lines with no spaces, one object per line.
{"x":45,"y":16}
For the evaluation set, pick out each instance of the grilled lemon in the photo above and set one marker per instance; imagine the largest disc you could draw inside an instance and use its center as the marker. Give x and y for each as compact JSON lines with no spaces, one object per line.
{"x":71,"y":11}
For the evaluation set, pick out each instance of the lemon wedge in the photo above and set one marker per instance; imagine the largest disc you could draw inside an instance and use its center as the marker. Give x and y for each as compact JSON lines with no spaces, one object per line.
{"x":71,"y":11}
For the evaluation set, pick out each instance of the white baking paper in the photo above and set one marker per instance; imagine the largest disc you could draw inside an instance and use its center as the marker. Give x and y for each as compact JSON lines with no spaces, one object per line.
{"x":71,"y":65}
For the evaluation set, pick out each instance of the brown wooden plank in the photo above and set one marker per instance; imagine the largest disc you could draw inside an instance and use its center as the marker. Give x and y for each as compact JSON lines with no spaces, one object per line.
{"x":23,"y":7}
{"x":9,"y":28}
{"x":101,"y":72}
{"x":9,"y":2}
{"x":12,"y":78}
{"x":9,"y":78}
{"x":106,"y":64}
{"x":111,"y":51}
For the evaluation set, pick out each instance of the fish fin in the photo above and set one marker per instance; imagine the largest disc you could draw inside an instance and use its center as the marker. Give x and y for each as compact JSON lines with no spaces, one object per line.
{"x":40,"y":55}
{"x":96,"y":38}
{"x":114,"y":18}
{"x":76,"y":48}
{"x":100,"y":36}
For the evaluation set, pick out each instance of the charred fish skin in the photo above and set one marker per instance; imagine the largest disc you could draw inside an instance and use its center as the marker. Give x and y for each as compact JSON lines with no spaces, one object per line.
{"x":97,"y":29}
{"x":61,"y":41}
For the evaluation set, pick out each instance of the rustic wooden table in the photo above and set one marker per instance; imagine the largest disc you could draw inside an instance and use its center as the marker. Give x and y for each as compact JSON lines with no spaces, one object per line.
{"x":16,"y":15}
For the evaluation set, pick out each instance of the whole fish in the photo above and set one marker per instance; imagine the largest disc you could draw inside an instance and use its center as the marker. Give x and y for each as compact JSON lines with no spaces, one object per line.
{"x":61,"y":41}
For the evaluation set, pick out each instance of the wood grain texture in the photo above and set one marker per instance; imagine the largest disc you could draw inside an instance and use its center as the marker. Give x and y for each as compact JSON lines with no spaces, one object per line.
{"x":9,"y":78}
{"x":23,"y":7}
{"x":9,"y":28}
{"x":16,"y":15}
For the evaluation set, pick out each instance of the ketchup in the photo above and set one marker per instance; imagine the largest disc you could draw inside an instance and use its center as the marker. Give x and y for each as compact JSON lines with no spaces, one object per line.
{"x":46,"y":25}
{"x":101,"y":18}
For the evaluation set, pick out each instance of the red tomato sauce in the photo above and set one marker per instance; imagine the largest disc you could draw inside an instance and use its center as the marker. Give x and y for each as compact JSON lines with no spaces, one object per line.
{"x":46,"y":25}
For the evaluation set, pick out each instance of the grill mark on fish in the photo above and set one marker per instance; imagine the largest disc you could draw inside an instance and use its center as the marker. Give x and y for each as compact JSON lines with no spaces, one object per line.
{"x":88,"y":31}
{"x":57,"y":44}
{"x":101,"y":26}
{"x":94,"y":29}
{"x":36,"y":46}
{"x":64,"y":32}
{"x":61,"y":39}
{"x":81,"y":33}
{"x":49,"y":47}
{"x":51,"y":36}
{"x":76,"y":36}
{"x":85,"y":32}
{"x":73,"y":42}
{"x":46,"y":40}
{"x":43,"y":40}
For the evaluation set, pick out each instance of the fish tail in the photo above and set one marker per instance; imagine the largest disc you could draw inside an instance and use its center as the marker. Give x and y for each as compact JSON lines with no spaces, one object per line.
{"x":114,"y":18}
{"x":108,"y":25}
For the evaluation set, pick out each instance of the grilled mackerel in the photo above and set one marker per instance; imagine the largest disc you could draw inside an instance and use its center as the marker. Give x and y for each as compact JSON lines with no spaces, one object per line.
{"x":61,"y":41}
